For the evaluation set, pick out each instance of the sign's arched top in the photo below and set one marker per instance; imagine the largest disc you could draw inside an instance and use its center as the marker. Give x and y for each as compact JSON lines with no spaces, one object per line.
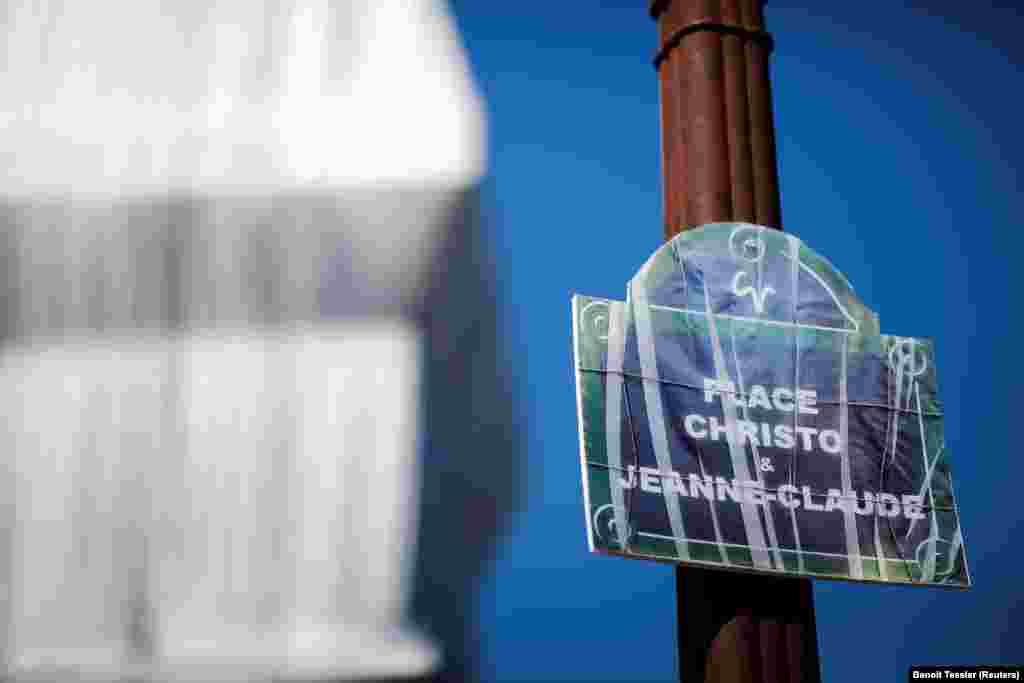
{"x":751,"y":271}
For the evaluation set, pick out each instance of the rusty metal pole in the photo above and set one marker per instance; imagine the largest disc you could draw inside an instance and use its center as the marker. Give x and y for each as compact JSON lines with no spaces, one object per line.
{"x":718,"y":159}
{"x":718,"y":136}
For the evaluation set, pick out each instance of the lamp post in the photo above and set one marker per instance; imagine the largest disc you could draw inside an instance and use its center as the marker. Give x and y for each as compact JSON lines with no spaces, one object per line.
{"x":719,"y":164}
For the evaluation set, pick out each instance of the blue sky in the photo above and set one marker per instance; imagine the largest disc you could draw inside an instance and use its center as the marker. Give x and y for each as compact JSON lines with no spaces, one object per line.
{"x":899,"y":150}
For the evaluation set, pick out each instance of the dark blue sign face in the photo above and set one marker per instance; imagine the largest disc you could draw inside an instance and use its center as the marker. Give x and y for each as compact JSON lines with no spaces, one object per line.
{"x":742,"y":410}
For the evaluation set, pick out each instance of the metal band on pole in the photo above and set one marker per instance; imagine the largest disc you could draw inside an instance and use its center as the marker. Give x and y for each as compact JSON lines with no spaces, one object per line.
{"x":762,"y":37}
{"x":718,"y":139}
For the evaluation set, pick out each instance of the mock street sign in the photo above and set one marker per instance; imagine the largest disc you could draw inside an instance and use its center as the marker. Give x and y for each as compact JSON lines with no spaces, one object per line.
{"x":741,"y":410}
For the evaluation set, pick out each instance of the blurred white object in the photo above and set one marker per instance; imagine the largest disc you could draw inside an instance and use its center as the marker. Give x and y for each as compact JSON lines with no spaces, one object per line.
{"x":217,"y":220}
{"x":105,"y":98}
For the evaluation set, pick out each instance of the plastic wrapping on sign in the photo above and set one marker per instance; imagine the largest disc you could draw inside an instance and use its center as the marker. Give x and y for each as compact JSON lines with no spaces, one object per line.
{"x":741,"y":410}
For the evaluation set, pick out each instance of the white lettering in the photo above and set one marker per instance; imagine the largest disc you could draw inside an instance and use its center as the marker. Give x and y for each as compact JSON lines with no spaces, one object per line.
{"x":733,"y":491}
{"x":806,"y":433}
{"x":834,"y":501}
{"x":705,"y":486}
{"x":695,"y":426}
{"x":868,"y":507}
{"x":631,"y":482}
{"x":786,"y":493}
{"x":720,"y":489}
{"x":829,"y":441}
{"x":809,"y":504}
{"x":759,"y":398}
{"x":784,"y":436}
{"x":748,"y":432}
{"x":761,"y":434}
{"x":675,"y":483}
{"x":784,"y":404}
{"x":649,"y":481}
{"x":717,"y":429}
{"x":912,"y":507}
{"x":713,"y":387}
{"x":807,"y":398}
{"x":754,"y":493}
{"x":888,"y":505}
